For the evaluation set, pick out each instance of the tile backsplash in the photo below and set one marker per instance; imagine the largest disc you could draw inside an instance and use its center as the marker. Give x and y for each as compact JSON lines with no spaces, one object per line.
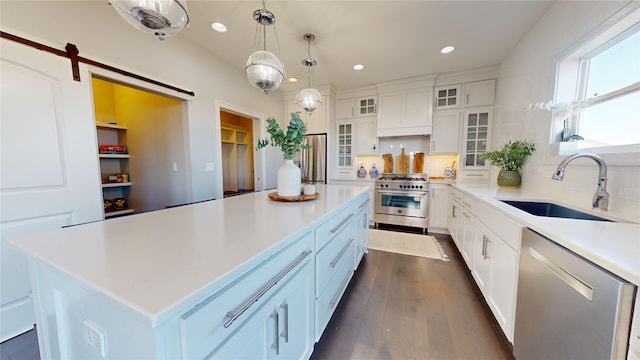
{"x":433,"y":164}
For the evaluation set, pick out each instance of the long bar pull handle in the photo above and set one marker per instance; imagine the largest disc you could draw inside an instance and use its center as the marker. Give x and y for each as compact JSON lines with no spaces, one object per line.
{"x":487,"y":254}
{"x":276,"y":342}
{"x":337,"y":227}
{"x":233,"y":315}
{"x":339,"y":256}
{"x":336,"y":297}
{"x":453,"y":212}
{"x":363,"y":204}
{"x":285,"y":332}
{"x":578,"y":285}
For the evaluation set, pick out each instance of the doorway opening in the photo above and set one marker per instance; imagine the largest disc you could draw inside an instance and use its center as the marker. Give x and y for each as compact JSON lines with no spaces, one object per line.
{"x":237,"y":153}
{"x":143,"y":162}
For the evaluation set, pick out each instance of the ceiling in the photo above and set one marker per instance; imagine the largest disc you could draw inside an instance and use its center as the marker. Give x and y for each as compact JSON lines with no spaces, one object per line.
{"x":393,"y":39}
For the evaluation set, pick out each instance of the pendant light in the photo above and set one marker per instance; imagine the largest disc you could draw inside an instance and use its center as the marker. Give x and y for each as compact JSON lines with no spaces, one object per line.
{"x":162,"y":18}
{"x":309,"y":99}
{"x":264,"y":70}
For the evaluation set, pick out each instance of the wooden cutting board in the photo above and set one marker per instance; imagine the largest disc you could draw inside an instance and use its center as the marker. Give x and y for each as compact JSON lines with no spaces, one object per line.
{"x":388,"y":163}
{"x":402,"y":163}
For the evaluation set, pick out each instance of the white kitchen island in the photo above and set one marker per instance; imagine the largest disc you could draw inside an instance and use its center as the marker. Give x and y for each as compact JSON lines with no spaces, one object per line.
{"x":244,"y":276}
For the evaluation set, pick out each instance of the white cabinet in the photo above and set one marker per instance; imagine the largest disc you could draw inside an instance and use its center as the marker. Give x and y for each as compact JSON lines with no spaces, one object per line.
{"x":480,"y":93}
{"x":438,"y":207}
{"x":447,"y":97}
{"x":495,"y":269}
{"x":455,"y":217}
{"x":405,"y":113}
{"x":361,"y":225}
{"x":316,"y":121}
{"x":366,"y":139}
{"x":354,"y":107}
{"x":281,"y":328}
{"x":445,"y":138}
{"x":346,"y":144}
{"x":475,"y":141}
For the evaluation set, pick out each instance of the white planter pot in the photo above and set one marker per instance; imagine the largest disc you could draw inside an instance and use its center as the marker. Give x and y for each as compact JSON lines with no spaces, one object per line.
{"x":289,"y":179}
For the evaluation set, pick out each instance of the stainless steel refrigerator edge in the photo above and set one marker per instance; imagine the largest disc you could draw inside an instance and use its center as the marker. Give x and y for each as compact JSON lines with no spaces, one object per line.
{"x":313,"y":162}
{"x":567,"y":307}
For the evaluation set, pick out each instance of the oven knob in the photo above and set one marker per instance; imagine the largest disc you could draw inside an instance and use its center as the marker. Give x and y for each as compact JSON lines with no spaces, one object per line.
{"x":386,"y":185}
{"x":399,"y":211}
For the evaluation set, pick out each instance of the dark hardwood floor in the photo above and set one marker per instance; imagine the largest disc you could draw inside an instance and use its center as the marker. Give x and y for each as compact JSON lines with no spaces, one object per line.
{"x":396,"y":307}
{"x":407,"y":307}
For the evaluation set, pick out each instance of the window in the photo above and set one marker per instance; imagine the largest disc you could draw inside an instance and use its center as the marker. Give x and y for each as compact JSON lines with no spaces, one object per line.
{"x":603,"y":77}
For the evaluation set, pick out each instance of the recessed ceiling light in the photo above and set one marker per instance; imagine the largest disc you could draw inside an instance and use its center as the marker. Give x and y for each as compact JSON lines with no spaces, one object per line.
{"x":293,"y":79}
{"x":447,"y":49}
{"x":358,"y":67}
{"x":219,"y":27}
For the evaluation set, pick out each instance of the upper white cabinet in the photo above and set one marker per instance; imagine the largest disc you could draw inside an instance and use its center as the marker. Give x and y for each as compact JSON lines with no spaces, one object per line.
{"x":353,"y":107}
{"x":480,"y":93}
{"x":316,"y":121}
{"x":366,"y":140}
{"x":475,"y":141}
{"x":405,"y":112}
{"x":345,"y":141}
{"x":445,"y":138}
{"x":447,"y":97}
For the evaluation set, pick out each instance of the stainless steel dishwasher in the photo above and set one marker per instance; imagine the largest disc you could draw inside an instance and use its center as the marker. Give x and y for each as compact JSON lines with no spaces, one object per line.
{"x":568,"y":307}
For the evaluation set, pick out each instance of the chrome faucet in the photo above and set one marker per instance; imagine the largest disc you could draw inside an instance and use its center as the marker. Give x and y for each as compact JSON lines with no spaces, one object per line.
{"x":601,"y":197}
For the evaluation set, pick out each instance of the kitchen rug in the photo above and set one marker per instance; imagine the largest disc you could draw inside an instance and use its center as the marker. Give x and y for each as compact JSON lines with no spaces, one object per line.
{"x":406,"y":244}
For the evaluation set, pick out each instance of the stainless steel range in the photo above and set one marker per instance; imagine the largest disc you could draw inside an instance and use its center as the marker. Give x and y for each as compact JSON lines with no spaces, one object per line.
{"x":402,"y":199}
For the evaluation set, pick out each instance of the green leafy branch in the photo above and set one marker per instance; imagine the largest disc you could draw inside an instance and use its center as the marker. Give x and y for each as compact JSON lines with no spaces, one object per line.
{"x":291,"y":141}
{"x":512,"y":155}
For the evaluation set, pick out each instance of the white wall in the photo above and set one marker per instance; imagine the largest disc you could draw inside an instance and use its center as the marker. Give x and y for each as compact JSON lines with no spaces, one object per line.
{"x":100,"y":34}
{"x":527,"y":75}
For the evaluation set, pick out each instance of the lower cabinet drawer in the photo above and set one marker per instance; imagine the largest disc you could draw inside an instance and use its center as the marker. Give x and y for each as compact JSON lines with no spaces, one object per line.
{"x":328,"y":259}
{"x":328,"y":300}
{"x":209,"y":323}
{"x":330,"y":228}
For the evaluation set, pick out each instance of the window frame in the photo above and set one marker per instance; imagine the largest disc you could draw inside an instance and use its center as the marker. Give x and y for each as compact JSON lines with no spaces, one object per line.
{"x":571,"y":70}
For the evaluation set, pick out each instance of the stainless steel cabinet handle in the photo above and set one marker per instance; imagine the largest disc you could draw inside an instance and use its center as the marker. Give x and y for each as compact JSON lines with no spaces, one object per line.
{"x":233,"y":315}
{"x":485,"y":244}
{"x":578,"y":285}
{"x":337,"y":258}
{"x":285,"y":332}
{"x":487,"y":255}
{"x":474,"y":174}
{"x":336,"y":297}
{"x":276,"y":342}
{"x":363,"y":204}
{"x":453,"y":212}
{"x":337,"y":227}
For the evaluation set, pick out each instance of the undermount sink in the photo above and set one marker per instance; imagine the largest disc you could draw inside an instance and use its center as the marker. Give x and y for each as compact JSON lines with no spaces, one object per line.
{"x":551,"y":210}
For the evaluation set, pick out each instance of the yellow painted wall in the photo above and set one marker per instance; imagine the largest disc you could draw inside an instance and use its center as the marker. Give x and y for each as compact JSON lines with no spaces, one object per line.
{"x":103,"y":102}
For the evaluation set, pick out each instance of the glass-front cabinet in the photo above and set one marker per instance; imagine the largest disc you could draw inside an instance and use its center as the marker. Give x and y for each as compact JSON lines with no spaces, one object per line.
{"x":345,"y":144}
{"x":477,"y":126}
{"x":366,"y":106}
{"x":447,"y":97}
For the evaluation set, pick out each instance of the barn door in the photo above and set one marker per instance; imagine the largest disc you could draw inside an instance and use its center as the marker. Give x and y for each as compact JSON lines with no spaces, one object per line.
{"x":49,"y":170}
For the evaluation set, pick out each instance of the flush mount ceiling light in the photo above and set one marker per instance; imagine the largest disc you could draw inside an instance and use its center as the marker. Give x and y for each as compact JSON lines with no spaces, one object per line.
{"x":309,"y":99}
{"x":358,"y":67}
{"x":447,"y":49}
{"x":264,"y":70}
{"x":162,"y":18}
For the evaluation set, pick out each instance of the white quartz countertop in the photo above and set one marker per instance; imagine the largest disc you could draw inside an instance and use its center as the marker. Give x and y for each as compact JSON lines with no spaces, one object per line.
{"x":158,"y":262}
{"x":614,"y":246}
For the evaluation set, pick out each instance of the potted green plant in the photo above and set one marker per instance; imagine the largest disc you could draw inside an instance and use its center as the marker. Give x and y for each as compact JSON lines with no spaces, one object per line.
{"x":290,"y":142}
{"x":510,"y":159}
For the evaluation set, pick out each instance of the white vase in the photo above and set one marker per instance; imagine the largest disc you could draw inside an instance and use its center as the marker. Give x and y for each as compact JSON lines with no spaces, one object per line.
{"x":289,"y":179}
